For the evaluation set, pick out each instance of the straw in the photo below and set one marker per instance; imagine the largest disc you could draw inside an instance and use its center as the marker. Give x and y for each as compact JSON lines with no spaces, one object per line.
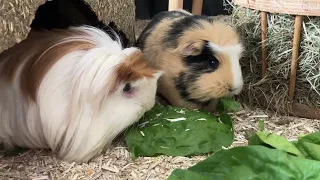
{"x":272,"y":91}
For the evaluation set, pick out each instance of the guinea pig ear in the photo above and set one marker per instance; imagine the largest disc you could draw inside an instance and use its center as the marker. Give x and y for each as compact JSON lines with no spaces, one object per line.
{"x":192,"y":49}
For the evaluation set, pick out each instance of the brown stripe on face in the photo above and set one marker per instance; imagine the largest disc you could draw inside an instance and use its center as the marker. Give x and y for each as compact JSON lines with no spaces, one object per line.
{"x":133,"y":68}
{"x":218,"y":32}
{"x":40,"y":51}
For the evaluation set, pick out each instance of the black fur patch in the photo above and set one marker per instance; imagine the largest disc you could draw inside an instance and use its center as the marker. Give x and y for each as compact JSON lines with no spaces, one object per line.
{"x":154,"y":22}
{"x":55,"y":14}
{"x":179,"y":27}
{"x":205,"y":62}
{"x":62,"y":14}
{"x":185,"y":80}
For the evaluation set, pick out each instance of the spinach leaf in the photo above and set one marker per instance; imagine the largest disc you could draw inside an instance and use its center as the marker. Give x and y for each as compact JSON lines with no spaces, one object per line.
{"x":275,"y":141}
{"x":250,"y":162}
{"x":227,"y":104}
{"x":261,"y":125}
{"x":177,"y":131}
{"x":309,"y":145}
{"x":181,"y":174}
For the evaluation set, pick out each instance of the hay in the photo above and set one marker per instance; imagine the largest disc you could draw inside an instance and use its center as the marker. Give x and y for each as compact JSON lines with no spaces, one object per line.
{"x":122,"y":12}
{"x":272,"y":91}
{"x":15,"y":17}
{"x":117,"y":164}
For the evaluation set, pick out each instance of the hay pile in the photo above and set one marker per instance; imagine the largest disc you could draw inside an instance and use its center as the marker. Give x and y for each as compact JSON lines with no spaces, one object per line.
{"x":17,"y":15}
{"x":122,"y":12}
{"x":15,"y":18}
{"x":272,"y":91}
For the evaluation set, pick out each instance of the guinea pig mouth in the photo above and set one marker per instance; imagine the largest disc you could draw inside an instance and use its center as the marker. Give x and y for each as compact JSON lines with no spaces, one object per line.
{"x":234,"y":91}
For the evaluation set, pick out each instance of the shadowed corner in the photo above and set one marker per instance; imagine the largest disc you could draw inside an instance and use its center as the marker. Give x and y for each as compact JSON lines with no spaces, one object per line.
{"x":12,"y":152}
{"x":61,"y":14}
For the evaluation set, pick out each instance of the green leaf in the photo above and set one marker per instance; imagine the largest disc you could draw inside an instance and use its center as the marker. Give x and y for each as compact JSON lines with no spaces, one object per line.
{"x":261,"y":125}
{"x":227,"y":104}
{"x":275,"y":141}
{"x":181,"y":174}
{"x":301,"y":135}
{"x":251,"y":162}
{"x":309,"y":145}
{"x":255,"y":140}
{"x":176,"y":131}
{"x":226,"y":119}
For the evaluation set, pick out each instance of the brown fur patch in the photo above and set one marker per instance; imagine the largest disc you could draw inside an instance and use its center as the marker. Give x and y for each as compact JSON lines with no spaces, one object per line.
{"x":133,"y":68}
{"x":193,"y":48}
{"x":154,"y":44}
{"x":218,"y":33}
{"x":172,"y":66}
{"x":38,"y":53}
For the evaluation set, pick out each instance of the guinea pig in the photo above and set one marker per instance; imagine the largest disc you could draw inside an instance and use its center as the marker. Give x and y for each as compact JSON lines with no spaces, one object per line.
{"x":72,"y":91}
{"x":199,"y":58}
{"x":62,"y":14}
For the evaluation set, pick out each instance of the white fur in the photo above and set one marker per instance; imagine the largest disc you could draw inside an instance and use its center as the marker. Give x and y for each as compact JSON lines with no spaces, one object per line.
{"x":75,"y":114}
{"x":234,"y":52}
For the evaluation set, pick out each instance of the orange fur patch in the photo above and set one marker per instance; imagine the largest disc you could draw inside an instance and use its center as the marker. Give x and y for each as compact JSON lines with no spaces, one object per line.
{"x":38,"y":53}
{"x":218,"y":33}
{"x":133,"y":68}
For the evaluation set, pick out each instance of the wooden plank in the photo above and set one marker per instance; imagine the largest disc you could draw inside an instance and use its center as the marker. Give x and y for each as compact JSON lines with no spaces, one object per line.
{"x":264,"y":52}
{"x":304,"y":111}
{"x":175,"y":4}
{"x":295,"y":56}
{"x":294,"y":7}
{"x":197,"y":7}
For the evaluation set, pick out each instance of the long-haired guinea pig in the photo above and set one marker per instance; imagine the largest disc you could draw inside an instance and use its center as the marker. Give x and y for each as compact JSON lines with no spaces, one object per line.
{"x":72,"y":91}
{"x":62,"y":14}
{"x":199,"y":58}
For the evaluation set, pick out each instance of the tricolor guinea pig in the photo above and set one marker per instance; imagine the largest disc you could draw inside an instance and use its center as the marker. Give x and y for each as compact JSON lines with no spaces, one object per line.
{"x":72,"y":91}
{"x":199,"y":58}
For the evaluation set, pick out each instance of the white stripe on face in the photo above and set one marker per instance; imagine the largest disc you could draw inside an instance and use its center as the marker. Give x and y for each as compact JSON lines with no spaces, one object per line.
{"x":234,"y":53}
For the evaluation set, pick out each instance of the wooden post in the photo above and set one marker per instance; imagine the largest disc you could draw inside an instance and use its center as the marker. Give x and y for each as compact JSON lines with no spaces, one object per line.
{"x":264,"y":52}
{"x":295,"y":56}
{"x":175,"y":4}
{"x":197,"y":7}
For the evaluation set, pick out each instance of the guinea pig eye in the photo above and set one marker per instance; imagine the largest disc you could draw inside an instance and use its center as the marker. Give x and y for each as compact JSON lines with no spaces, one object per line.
{"x":127,"y":88}
{"x":213,"y":63}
